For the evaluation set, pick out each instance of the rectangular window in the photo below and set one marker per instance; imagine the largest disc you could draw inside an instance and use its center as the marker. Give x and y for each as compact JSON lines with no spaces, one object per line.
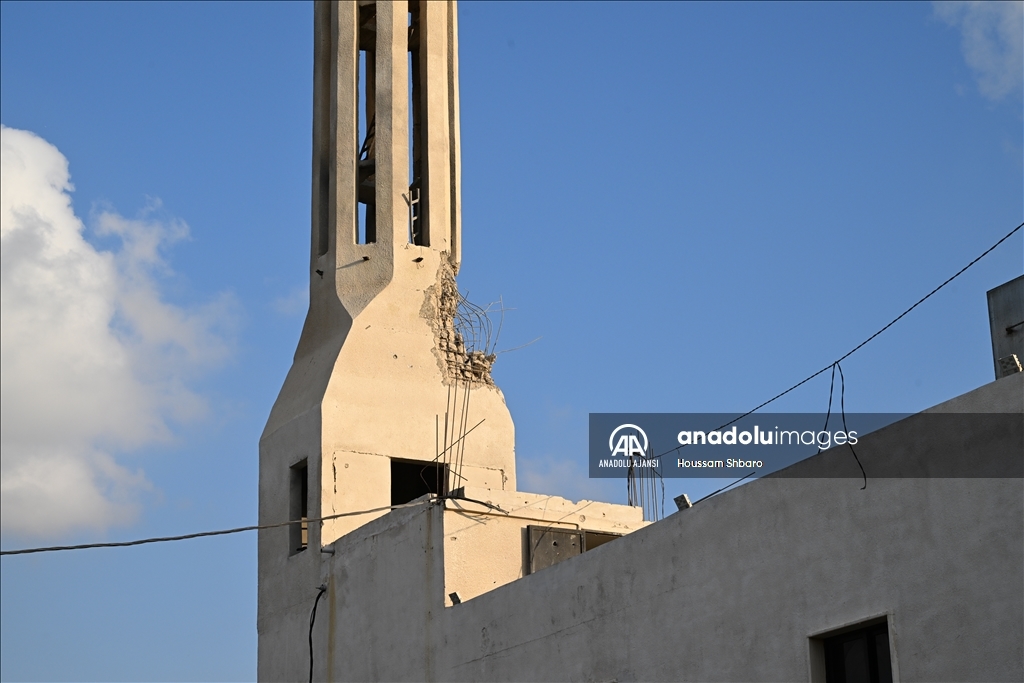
{"x":411,"y":479}
{"x":298,"y":507}
{"x":855,"y":654}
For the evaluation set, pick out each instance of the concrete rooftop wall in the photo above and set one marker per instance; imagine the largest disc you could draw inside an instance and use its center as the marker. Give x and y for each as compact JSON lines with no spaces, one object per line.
{"x":731,"y":589}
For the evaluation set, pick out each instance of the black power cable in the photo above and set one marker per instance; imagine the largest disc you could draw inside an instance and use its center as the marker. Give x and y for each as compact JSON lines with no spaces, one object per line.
{"x":835,"y":364}
{"x":861,"y":345}
{"x":312,"y":619}
{"x":842,"y":407}
{"x":203,"y":534}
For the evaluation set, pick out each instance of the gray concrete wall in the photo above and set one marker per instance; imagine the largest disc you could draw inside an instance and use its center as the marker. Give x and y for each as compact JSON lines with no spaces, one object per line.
{"x":1005,"y":318}
{"x":732,"y":589}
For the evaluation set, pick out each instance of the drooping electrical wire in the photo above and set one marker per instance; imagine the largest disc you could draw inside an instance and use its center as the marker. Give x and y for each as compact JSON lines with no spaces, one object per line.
{"x":858,"y":347}
{"x":312,"y":619}
{"x":842,"y":407}
{"x":203,"y":534}
{"x":483,"y":332}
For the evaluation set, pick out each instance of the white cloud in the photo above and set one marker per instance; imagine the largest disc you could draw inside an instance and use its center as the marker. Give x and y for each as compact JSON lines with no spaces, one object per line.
{"x":993,"y":33}
{"x":93,"y":361}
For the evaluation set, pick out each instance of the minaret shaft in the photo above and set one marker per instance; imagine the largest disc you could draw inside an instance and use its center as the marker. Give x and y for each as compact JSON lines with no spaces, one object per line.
{"x":380,"y":368}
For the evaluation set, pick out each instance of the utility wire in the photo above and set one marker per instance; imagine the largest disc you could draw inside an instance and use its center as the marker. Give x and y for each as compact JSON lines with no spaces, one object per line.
{"x":312,"y":619}
{"x":861,"y":345}
{"x":223,"y":532}
{"x":202,"y":534}
{"x":842,"y":408}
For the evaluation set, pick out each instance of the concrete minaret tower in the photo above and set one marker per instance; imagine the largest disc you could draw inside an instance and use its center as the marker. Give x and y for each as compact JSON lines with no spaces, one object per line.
{"x":380,"y":369}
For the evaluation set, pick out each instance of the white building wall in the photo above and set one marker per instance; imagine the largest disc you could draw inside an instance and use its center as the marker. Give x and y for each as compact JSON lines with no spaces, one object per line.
{"x":729,"y":590}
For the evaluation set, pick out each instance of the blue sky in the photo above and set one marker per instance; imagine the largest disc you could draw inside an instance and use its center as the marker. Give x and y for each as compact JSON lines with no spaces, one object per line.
{"x":692,"y":205}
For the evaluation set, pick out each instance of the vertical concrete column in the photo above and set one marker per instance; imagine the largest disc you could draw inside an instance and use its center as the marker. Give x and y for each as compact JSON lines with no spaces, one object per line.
{"x":345,"y":126}
{"x":342,"y":270}
{"x":454,"y":139}
{"x":434,"y":75}
{"x":333,"y":205}
{"x":392,"y":122}
{"x":334,"y":131}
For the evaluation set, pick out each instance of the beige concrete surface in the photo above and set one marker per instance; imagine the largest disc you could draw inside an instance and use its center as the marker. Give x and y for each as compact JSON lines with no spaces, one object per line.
{"x":736,"y":588}
{"x":484,"y":545}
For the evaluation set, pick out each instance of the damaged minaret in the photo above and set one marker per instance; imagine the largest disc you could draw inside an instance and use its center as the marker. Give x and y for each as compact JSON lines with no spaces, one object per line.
{"x":382,"y":385}
{"x":390,"y":397}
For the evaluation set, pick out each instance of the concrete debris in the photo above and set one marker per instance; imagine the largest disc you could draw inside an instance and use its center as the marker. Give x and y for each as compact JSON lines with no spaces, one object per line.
{"x":459,"y":361}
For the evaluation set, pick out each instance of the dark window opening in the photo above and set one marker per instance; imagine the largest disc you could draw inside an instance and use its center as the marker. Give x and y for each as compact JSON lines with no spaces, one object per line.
{"x":410,"y":480}
{"x":859,"y":656}
{"x":416,"y":199}
{"x":298,"y":508}
{"x":366,"y":106}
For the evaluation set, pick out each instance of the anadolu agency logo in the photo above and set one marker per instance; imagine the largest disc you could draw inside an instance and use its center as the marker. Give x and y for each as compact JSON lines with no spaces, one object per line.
{"x":629,"y":450}
{"x":628,"y":445}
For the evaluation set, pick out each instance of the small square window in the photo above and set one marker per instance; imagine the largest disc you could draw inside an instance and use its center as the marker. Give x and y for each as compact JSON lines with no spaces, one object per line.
{"x":412,"y":479}
{"x":855,"y":654}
